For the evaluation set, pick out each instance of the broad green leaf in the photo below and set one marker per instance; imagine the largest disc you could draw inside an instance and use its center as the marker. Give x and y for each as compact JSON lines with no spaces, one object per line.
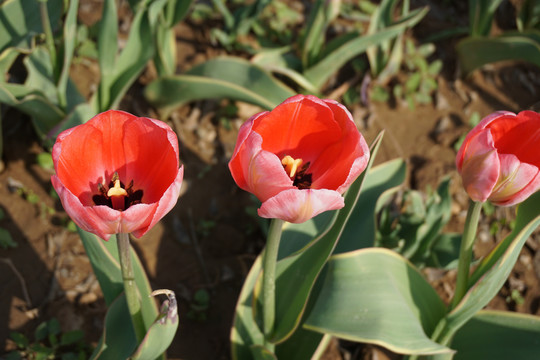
{"x":259,"y":352}
{"x":245,"y":331}
{"x":314,"y":33}
{"x":161,"y":333}
{"x":177,"y":10}
{"x":45,"y":115}
{"x":107,"y":44}
{"x":376,"y":296}
{"x":381,"y":182}
{"x":103,"y":256}
{"x":498,"y":335}
{"x":70,"y":32}
{"x":7,"y":57}
{"x":489,"y":277}
{"x":231,"y":78}
{"x":319,"y":73}
{"x":476,"y":52}
{"x":445,"y":251}
{"x":118,"y":340}
{"x":21,"y":21}
{"x":40,"y":73}
{"x":105,"y":264}
{"x":296,"y":274}
{"x":481,"y":14}
{"x":300,"y":346}
{"x":133,"y":58}
{"x":284,"y":62}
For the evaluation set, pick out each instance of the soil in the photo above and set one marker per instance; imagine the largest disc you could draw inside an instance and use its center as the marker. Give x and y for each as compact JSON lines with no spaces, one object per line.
{"x":209,"y":240}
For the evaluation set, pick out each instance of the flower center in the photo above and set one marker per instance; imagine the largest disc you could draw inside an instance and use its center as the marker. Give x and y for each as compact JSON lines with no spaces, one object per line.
{"x":296,"y":169}
{"x":117,"y":196}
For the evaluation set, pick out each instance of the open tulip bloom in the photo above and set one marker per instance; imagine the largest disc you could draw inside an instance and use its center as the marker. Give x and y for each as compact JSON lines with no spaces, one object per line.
{"x":498,"y":161}
{"x":117,"y":173}
{"x":299,"y":158}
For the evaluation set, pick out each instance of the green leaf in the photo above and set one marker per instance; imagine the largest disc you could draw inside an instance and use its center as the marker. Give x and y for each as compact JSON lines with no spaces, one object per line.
{"x":133,"y":59}
{"x":445,"y":252}
{"x":490,"y":275}
{"x":103,"y":256}
{"x":476,"y":52}
{"x":6,"y":240}
{"x":498,"y":335}
{"x":20,"y":340}
{"x":481,"y":14}
{"x":160,"y":335}
{"x":107,"y":52}
{"x":259,"y":352}
{"x":71,"y":337}
{"x":377,"y":296}
{"x":231,"y":78}
{"x":245,"y":331}
{"x":319,"y":73}
{"x":70,"y":33}
{"x":45,"y":160}
{"x":381,"y":182}
{"x":118,"y":340}
{"x":21,"y":21}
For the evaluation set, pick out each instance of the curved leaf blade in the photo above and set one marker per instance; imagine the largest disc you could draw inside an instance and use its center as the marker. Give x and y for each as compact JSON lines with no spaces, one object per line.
{"x":476,"y":52}
{"x":498,"y":335}
{"x":376,"y":296}
{"x":231,"y":78}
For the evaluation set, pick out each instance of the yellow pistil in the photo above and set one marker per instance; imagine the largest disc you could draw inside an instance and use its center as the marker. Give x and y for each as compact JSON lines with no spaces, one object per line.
{"x":117,"y":194}
{"x":117,"y":190}
{"x":291,"y":165}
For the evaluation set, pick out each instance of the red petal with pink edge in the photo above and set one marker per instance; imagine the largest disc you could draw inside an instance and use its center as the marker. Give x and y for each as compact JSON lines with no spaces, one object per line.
{"x":517,"y":181}
{"x":480,"y":167}
{"x":477,"y":129}
{"x":298,"y":206}
{"x":263,"y":172}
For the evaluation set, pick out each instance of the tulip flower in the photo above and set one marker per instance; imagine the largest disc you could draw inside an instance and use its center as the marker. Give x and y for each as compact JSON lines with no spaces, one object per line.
{"x":299,"y":158}
{"x":499,"y":159}
{"x":117,"y":173}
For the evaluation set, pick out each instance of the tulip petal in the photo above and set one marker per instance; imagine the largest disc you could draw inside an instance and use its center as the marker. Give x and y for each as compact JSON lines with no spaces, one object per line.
{"x":297,"y":206}
{"x":480,"y":167}
{"x":165,"y":204}
{"x":486,"y":122}
{"x":261,"y":170}
{"x":340,"y":164}
{"x":517,"y":181}
{"x":301,"y":127}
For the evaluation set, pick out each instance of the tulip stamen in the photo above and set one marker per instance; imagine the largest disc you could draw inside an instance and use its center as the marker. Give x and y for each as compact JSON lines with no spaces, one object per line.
{"x":296,"y":169}
{"x":291,"y":165}
{"x":117,"y":196}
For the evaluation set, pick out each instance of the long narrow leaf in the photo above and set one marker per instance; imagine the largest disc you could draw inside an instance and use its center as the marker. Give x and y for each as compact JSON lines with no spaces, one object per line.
{"x":70,"y":31}
{"x":319,"y":73}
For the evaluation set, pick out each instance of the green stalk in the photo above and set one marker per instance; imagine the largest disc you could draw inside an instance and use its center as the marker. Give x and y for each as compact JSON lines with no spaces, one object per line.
{"x":269,"y":277}
{"x":465,"y":252}
{"x":130,"y":288}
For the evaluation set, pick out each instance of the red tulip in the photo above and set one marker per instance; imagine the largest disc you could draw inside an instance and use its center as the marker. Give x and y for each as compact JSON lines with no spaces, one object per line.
{"x":117,"y":173}
{"x":299,"y":158}
{"x":499,"y":159}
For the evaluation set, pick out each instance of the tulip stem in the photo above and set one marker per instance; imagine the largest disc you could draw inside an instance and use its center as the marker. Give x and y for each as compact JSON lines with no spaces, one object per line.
{"x":465,"y":251}
{"x":269,"y":277}
{"x":130,"y":288}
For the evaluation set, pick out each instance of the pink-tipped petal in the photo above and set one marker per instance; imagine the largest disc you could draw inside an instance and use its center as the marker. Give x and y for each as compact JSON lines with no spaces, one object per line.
{"x":480,"y":167}
{"x":297,"y":206}
{"x":517,"y":181}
